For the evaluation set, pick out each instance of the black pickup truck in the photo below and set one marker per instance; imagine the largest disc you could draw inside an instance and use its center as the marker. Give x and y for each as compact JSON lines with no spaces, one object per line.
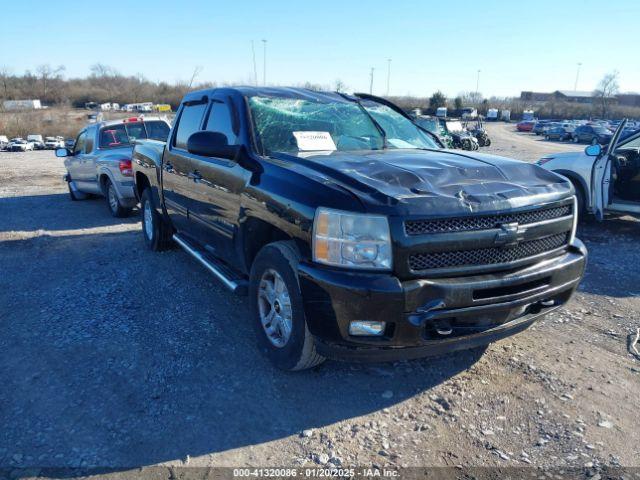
{"x":353,"y":232}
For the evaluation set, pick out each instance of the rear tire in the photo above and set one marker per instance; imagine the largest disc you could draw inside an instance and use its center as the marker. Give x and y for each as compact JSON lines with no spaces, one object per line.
{"x":156,"y":232}
{"x":113,"y":202}
{"x":278,"y":313}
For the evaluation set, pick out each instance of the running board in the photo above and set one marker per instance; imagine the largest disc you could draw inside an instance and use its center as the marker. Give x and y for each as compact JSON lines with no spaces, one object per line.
{"x":220,"y":271}
{"x":625,"y":207}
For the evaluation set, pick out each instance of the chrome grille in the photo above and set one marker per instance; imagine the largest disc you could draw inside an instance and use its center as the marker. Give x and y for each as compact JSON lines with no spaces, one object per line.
{"x":461,"y":224}
{"x":487,"y":256}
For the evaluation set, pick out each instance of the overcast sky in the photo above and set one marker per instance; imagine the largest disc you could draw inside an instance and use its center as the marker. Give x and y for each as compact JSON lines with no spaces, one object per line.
{"x":532,"y":45}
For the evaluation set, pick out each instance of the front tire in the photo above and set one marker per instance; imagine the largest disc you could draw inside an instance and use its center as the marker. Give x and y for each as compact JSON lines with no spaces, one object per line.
{"x":76,"y":195}
{"x":277,"y":308}
{"x":580,"y":200}
{"x":113,"y":202}
{"x":156,"y":232}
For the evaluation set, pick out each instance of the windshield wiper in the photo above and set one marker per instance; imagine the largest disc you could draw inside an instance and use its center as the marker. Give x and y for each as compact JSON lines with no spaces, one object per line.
{"x":383,"y":134}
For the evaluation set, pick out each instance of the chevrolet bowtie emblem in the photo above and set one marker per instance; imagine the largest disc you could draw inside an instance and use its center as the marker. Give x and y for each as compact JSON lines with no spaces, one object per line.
{"x":509,"y":235}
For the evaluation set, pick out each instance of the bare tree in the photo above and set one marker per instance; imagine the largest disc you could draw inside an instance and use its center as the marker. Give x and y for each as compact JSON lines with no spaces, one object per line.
{"x":606,"y":90}
{"x":46,"y":74}
{"x":471,"y":98}
{"x":101,"y":70}
{"x":339,"y":86}
{"x":4,"y":80}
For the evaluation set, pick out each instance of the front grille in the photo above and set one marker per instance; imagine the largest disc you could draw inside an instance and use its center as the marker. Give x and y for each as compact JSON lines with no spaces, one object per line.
{"x":461,"y":224}
{"x":487,"y":256}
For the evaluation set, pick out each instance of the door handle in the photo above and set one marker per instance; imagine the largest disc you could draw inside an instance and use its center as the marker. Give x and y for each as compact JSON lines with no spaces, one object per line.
{"x":195,"y":175}
{"x":168,"y":167}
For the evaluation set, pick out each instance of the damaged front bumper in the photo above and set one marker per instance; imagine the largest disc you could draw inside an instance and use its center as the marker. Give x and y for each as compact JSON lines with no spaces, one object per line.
{"x":432,"y":316}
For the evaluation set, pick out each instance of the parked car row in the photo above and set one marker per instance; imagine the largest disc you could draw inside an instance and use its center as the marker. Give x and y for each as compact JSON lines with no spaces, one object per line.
{"x":577,"y":131}
{"x":350,"y":228}
{"x":32,"y":142}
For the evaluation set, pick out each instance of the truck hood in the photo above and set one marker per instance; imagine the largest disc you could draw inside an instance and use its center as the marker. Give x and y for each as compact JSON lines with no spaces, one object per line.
{"x":433,"y":182}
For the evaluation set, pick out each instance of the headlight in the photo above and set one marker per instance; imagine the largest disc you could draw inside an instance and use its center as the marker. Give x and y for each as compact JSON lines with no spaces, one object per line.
{"x":351,"y":240}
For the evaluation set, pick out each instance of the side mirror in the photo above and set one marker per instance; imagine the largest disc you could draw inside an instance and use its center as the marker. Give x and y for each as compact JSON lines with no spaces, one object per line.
{"x":62,"y":152}
{"x":593,"y":150}
{"x":212,"y":144}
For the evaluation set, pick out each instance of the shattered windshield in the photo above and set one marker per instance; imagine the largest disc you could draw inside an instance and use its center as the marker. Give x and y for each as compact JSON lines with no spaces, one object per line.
{"x":340,"y":125}
{"x":292,"y":125}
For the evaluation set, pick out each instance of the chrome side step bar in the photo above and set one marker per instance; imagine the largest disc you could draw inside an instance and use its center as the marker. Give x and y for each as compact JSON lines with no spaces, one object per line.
{"x":236,"y":286}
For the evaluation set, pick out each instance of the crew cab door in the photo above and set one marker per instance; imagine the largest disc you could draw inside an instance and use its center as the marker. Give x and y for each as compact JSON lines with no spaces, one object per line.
{"x":177,"y":162}
{"x":75,"y":161}
{"x":88,"y":170}
{"x":217,"y":184}
{"x":601,"y":176}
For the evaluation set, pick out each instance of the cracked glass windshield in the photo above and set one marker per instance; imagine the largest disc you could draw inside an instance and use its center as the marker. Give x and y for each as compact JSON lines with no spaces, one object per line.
{"x":330,"y":123}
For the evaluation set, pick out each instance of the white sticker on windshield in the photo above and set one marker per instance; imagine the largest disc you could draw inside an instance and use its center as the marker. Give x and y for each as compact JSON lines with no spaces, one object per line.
{"x":314,"y":141}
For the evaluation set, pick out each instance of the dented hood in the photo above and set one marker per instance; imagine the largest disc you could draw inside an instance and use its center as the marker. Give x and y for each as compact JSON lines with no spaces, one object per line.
{"x":434,"y":182}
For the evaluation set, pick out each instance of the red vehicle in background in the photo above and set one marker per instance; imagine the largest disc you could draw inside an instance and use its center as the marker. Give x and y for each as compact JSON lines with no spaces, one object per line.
{"x":525,"y":126}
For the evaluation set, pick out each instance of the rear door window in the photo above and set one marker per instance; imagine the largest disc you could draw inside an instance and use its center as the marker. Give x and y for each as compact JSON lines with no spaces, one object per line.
{"x":190,"y":122}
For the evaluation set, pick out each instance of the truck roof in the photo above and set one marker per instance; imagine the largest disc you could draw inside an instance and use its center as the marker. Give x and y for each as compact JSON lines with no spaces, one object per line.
{"x":248,"y":91}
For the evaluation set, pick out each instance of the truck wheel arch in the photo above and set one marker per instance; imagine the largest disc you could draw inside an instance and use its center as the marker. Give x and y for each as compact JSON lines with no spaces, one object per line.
{"x":102,"y":181}
{"x":256,"y":233}
{"x":141,"y":183}
{"x":580,"y":186}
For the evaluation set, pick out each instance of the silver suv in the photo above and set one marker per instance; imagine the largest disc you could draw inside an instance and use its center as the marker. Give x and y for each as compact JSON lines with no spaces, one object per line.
{"x":100,"y":161}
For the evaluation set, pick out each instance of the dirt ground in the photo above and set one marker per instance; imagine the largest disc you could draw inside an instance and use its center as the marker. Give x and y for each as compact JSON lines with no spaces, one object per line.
{"x":113,"y":356}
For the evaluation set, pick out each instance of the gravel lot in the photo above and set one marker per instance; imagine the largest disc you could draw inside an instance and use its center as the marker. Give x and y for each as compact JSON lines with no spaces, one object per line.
{"x":113,"y":356}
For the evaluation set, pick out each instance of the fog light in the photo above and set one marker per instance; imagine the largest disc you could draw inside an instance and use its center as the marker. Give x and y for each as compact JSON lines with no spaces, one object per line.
{"x":366,"y":328}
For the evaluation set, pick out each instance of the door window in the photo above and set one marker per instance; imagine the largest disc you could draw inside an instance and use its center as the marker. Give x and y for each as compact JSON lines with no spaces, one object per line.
{"x":80,"y":142}
{"x":189,"y":123}
{"x":220,"y":120}
{"x":88,"y":145}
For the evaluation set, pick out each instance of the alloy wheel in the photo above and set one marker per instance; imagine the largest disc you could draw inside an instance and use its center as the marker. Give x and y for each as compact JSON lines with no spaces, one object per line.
{"x":113,"y":198}
{"x":148,"y":220}
{"x":274,"y":306}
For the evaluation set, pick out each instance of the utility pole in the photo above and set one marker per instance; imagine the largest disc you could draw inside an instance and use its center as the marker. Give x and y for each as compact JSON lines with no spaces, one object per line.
{"x":255,"y":70}
{"x":388,"y":74}
{"x":575,"y":85}
{"x":371,"y":81}
{"x":264,"y":62}
{"x":477,"y":84}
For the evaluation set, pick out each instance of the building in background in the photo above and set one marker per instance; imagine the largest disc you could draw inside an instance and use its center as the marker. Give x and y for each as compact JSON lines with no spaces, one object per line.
{"x":573,"y":96}
{"x":10,"y":105}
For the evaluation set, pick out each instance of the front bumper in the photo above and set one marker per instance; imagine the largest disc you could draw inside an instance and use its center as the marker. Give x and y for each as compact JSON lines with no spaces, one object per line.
{"x":477,"y":309}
